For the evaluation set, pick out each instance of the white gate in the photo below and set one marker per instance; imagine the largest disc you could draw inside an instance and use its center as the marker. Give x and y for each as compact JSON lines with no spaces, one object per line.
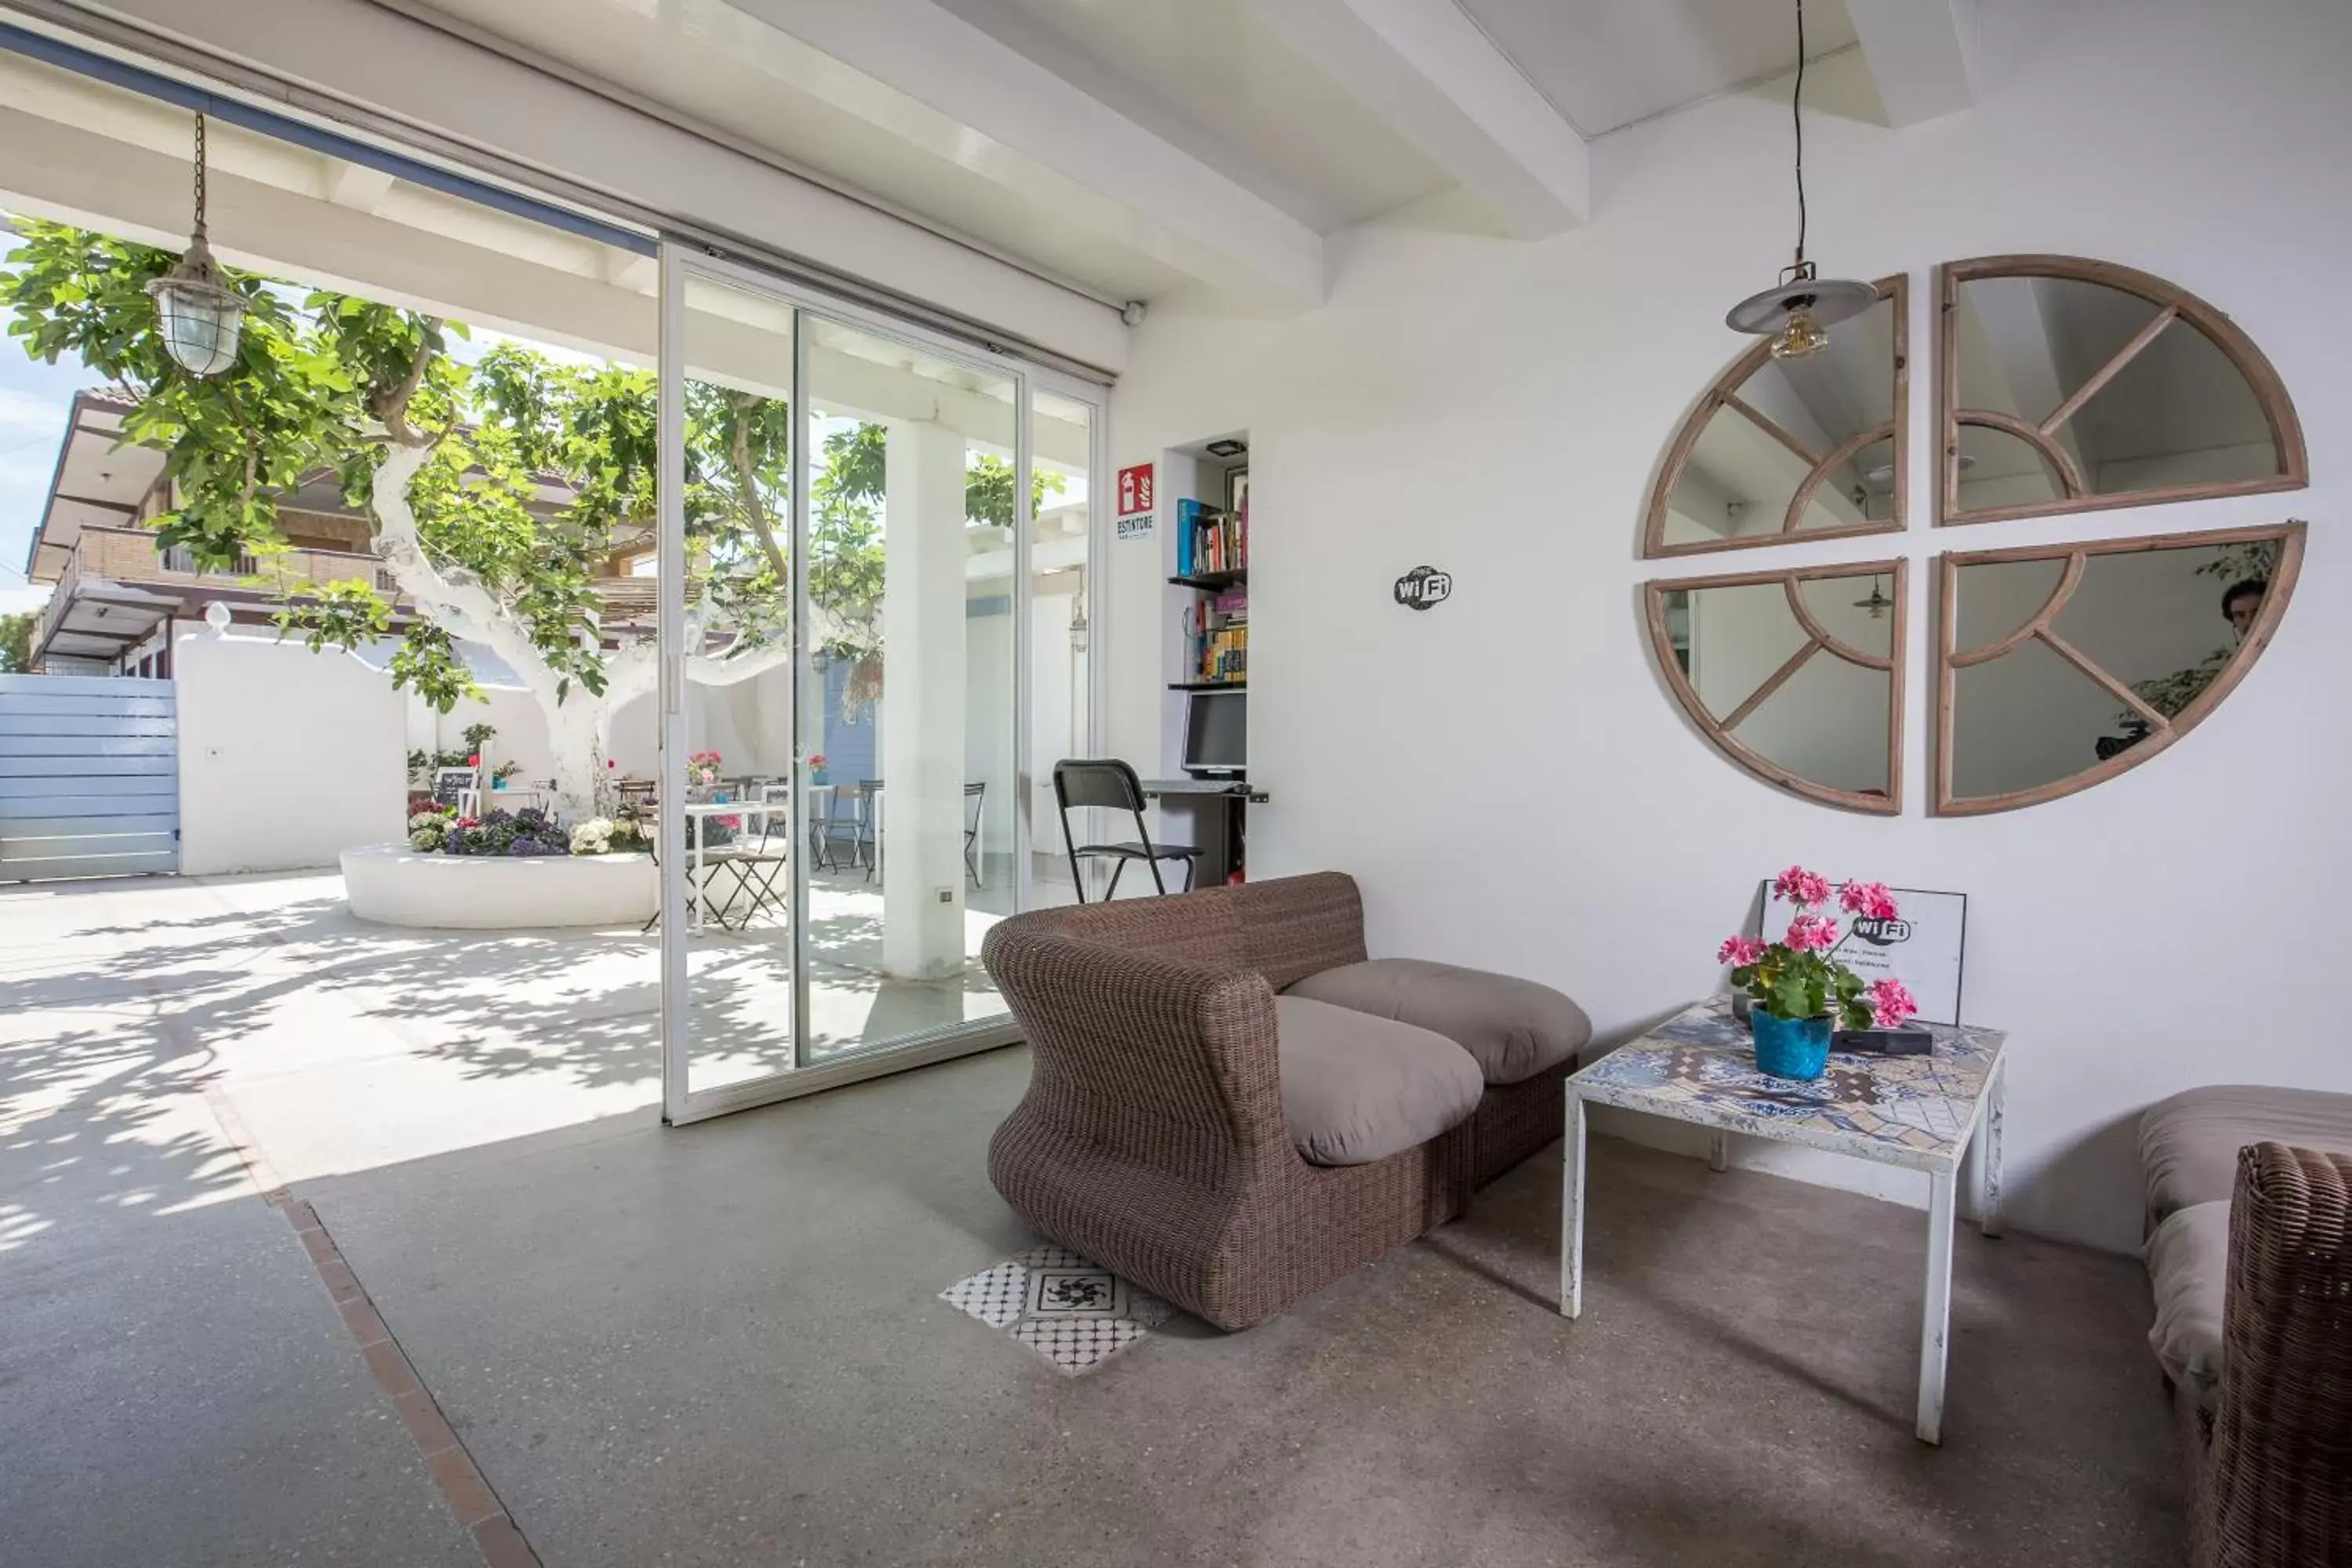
{"x":88,"y":777}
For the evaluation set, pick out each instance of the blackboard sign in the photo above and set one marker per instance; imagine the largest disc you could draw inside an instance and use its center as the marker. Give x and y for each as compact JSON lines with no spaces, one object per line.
{"x":449,"y":785}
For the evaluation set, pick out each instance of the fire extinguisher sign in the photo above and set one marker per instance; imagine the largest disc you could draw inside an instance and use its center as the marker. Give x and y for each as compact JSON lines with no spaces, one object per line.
{"x":1135,"y":490}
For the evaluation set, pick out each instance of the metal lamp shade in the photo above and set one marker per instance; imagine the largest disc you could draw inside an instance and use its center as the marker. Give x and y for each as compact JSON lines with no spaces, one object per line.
{"x":1794,"y":310}
{"x":199,"y":316}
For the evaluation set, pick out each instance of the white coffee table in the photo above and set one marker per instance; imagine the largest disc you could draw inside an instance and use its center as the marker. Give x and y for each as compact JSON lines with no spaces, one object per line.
{"x":1921,"y":1113}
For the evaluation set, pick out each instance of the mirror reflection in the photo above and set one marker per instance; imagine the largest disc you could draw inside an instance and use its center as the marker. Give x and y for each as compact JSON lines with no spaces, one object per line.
{"x":1794,"y":673}
{"x":1793,"y":446}
{"x":2067,"y":661}
{"x":2070,"y":389}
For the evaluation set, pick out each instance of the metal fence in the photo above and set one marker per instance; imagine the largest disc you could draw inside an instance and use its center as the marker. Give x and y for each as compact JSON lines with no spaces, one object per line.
{"x":88,"y":777}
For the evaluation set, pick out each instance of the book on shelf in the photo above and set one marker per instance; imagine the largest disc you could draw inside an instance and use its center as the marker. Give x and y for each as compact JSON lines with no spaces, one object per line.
{"x":1209,"y":540}
{"x":1224,"y":653}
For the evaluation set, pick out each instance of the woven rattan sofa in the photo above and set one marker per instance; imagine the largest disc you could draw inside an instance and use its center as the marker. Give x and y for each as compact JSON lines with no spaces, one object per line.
{"x":2250,"y":1253}
{"x":1167,"y":1036}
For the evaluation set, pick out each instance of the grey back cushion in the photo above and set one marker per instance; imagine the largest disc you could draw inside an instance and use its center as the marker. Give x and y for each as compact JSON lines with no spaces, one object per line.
{"x":2190,"y":1143}
{"x":1356,"y":1089}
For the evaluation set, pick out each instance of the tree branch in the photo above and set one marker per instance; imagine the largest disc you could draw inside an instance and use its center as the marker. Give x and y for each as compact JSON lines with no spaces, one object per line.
{"x":392,"y":405}
{"x":739,"y":449}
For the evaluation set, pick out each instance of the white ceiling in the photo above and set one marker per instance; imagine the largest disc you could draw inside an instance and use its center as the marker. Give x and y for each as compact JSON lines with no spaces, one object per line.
{"x":1135,"y":148}
{"x":1605,"y":64}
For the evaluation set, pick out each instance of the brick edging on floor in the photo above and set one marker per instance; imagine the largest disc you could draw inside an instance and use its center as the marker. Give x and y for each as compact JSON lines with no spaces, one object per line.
{"x":477,"y":1508}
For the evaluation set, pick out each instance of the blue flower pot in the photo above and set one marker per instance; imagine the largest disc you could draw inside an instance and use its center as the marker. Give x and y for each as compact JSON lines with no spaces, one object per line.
{"x":1790,"y":1047}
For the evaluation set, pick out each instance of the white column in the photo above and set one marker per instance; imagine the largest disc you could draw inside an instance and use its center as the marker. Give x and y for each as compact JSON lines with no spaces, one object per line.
{"x":923,"y":702}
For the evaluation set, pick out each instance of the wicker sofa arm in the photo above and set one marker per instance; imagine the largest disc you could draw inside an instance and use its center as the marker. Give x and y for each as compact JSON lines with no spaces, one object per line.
{"x":2282,"y":1426}
{"x":1172,"y":1062}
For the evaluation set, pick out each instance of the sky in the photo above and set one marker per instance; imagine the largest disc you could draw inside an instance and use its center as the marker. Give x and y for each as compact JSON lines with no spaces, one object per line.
{"x":34,"y":399}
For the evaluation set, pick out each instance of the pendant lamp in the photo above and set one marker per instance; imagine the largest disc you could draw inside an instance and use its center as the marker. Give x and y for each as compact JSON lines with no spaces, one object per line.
{"x":199,"y":315}
{"x":1795,"y":312}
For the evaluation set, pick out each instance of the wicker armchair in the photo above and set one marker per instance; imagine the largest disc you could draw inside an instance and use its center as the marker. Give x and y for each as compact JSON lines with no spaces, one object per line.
{"x":2272,"y":1470}
{"x":1152,"y":1138}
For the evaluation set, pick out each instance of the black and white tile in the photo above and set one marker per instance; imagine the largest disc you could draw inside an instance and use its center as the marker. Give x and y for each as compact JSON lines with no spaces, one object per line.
{"x":1064,"y":1308}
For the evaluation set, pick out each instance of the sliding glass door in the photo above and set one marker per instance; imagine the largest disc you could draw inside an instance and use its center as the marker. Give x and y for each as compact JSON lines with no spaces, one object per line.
{"x":874,"y":632}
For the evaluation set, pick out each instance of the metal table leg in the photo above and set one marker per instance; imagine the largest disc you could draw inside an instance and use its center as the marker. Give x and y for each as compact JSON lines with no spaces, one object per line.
{"x":1936,"y":1318}
{"x":1571,"y":1210}
{"x":1989,"y":1152}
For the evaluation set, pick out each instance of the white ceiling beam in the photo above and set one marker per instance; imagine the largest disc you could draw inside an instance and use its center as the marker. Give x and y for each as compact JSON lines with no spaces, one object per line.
{"x":923,"y":73}
{"x":1427,"y":71}
{"x":354,"y":185}
{"x":625,"y":269}
{"x":1921,"y":54}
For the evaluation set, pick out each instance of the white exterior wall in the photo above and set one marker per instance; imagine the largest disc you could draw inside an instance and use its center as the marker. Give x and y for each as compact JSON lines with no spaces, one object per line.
{"x":287,"y":757}
{"x":1498,"y":410}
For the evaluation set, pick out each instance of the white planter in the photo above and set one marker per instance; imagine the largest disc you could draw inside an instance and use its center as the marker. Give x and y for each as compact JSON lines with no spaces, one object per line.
{"x":394,"y":885}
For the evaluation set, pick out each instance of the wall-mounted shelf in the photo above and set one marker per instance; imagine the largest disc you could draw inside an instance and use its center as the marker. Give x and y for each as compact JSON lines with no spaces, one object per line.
{"x":1207,"y":685}
{"x":1211,"y":581}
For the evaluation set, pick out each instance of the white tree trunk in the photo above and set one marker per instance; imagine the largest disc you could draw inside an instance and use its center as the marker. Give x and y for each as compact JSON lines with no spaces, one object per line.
{"x":579,"y":721}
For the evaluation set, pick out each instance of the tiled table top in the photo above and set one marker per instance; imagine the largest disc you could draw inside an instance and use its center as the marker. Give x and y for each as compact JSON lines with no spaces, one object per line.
{"x":1700,"y":1066}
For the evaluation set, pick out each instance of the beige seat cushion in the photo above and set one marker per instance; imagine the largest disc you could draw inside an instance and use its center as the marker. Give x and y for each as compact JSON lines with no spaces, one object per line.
{"x":2189,"y":1144}
{"x":2189,"y":1265}
{"x":1356,"y":1089}
{"x":1515,"y":1029}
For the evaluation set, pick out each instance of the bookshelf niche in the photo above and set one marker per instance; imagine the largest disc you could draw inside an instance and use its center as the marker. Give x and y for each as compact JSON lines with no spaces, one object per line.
{"x":1211,"y":545}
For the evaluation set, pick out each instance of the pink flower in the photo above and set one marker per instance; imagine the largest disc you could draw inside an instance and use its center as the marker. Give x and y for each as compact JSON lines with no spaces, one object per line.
{"x":1869,"y":899}
{"x":1811,"y":934}
{"x":1802,"y":887}
{"x":1891,"y":1003}
{"x":1739,"y":950}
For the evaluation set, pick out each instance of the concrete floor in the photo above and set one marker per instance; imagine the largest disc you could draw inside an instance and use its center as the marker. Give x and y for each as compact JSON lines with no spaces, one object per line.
{"x":723,"y":1345}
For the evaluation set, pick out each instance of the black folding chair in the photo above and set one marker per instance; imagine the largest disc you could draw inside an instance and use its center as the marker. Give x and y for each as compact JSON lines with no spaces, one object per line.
{"x":848,"y":818}
{"x":1109,"y":785}
{"x":975,"y":797}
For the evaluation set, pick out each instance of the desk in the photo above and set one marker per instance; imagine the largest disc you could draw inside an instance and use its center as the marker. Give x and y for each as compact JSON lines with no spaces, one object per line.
{"x":1221,"y":803}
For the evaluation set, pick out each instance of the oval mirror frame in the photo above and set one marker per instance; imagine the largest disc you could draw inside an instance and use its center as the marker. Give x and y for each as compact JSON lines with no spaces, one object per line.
{"x":1817,"y":641}
{"x":2172,"y":304}
{"x":2163,"y":731}
{"x":1724,"y":393}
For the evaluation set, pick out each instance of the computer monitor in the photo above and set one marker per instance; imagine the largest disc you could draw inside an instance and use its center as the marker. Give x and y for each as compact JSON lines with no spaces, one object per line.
{"x":1216,"y":732}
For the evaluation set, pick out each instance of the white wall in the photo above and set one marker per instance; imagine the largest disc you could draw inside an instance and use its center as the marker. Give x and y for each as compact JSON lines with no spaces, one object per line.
{"x":1497,"y":409}
{"x":287,"y":757}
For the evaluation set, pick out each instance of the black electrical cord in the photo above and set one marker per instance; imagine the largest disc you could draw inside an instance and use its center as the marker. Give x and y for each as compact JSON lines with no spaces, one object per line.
{"x":1797,"y":115}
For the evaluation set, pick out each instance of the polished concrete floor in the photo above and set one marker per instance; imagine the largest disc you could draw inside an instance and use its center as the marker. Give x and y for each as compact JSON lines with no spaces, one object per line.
{"x":721,"y":1345}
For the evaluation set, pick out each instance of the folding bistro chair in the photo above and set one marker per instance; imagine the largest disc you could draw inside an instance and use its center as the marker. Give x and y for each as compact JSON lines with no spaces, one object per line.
{"x":975,"y":799}
{"x":1110,"y":784}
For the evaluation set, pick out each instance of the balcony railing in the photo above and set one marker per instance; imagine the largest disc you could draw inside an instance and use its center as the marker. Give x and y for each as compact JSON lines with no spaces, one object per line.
{"x":132,"y":555}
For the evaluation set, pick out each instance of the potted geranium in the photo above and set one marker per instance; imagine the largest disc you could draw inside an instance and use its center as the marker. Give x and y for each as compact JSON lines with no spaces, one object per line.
{"x":1798,"y":989}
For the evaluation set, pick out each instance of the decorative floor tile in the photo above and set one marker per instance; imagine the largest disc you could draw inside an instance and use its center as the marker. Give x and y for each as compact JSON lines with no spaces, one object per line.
{"x":1064,"y":1308}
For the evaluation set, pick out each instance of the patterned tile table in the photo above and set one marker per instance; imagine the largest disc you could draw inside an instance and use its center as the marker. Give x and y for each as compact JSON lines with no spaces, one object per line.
{"x":1919,"y":1113}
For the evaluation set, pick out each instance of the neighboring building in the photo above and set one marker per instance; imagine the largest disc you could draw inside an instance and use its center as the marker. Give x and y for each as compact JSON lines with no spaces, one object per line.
{"x":119,"y":593}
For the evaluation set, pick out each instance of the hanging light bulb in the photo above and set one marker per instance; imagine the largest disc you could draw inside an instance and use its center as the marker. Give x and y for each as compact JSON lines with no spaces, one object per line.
{"x":1796,"y":311}
{"x":1079,"y":628}
{"x":199,"y":315}
{"x":1878,"y":604}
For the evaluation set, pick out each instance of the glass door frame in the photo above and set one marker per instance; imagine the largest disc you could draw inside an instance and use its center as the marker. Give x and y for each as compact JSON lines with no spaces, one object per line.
{"x":684,"y":260}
